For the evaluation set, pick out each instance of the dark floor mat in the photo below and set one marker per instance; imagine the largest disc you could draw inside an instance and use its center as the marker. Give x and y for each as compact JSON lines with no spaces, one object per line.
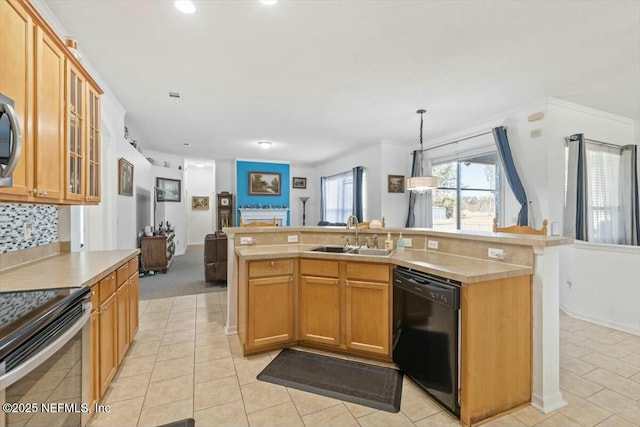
{"x":361,"y":383}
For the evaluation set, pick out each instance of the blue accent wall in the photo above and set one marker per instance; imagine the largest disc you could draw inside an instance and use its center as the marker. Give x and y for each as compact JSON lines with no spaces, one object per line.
{"x":243,"y":198}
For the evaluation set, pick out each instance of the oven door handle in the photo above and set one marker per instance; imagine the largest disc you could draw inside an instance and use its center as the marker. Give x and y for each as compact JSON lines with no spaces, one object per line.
{"x":30,"y":364}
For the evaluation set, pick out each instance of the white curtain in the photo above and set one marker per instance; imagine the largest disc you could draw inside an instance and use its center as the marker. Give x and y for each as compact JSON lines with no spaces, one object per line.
{"x":601,"y":188}
{"x":337,"y":191}
{"x":605,"y":219}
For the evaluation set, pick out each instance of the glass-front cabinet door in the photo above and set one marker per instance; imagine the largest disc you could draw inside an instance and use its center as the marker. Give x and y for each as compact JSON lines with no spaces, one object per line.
{"x":93,"y":147}
{"x":75,"y":144}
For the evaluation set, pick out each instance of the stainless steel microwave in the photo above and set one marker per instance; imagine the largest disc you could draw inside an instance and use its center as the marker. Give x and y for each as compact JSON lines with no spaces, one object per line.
{"x":10,"y":141}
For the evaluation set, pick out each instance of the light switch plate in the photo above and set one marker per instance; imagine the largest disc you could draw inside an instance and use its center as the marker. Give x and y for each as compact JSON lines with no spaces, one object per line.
{"x":292,"y":239}
{"x":408,"y":243}
{"x":432,"y":244}
{"x":246,"y":240}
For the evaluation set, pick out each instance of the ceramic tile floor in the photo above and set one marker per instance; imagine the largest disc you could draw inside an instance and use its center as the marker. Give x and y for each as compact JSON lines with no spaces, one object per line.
{"x":182,"y":365}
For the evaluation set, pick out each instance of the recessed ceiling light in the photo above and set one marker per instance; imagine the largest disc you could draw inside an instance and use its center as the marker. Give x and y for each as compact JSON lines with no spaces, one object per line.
{"x":269,"y":2}
{"x":185,"y":6}
{"x":265,"y":145}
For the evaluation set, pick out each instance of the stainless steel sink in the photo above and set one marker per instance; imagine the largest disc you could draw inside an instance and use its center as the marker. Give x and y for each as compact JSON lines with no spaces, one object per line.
{"x":355,"y":251}
{"x":332,"y":249}
{"x":372,"y":251}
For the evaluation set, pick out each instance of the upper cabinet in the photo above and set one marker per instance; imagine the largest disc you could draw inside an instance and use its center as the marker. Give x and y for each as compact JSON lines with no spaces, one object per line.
{"x":75,"y":141}
{"x":58,"y":107}
{"x":16,"y":82}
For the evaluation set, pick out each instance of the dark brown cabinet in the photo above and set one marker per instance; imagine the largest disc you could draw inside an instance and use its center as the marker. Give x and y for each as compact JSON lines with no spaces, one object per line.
{"x":156,"y":252}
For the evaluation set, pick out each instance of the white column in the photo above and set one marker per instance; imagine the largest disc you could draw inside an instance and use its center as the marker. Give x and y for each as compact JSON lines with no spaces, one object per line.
{"x":231,"y":326}
{"x":546,"y":395}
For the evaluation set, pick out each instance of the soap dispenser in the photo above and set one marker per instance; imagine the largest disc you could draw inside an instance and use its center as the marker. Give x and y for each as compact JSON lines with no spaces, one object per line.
{"x":388,"y":243}
{"x":400,"y":244}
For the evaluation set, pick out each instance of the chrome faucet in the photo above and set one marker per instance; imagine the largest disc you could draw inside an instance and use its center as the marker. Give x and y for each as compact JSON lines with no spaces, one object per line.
{"x":349,"y":222}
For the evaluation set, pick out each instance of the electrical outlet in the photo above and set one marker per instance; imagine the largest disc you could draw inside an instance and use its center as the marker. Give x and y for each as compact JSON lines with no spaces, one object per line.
{"x":292,"y":239}
{"x":407,"y":242}
{"x":495,"y":253}
{"x":27,"y":227}
{"x":246,"y":240}
{"x":432,"y":244}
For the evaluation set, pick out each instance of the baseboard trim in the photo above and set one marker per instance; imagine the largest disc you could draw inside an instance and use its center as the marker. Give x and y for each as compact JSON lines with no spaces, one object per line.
{"x":230,"y":330}
{"x":547,"y":404}
{"x":602,"y":322}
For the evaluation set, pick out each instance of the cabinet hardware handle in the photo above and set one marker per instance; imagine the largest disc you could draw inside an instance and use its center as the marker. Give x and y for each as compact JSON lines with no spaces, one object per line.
{"x":93,"y":293}
{"x":291,"y":279}
{"x":347,"y":283}
{"x":272,"y":263}
{"x":336,"y":282}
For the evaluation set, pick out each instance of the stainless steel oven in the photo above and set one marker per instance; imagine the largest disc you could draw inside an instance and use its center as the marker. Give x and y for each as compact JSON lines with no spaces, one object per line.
{"x":426,"y":319}
{"x":44,"y":355}
{"x":10,"y":141}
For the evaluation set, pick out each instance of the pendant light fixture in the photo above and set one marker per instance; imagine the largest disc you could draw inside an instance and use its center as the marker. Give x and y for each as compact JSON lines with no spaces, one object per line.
{"x":421,"y":184}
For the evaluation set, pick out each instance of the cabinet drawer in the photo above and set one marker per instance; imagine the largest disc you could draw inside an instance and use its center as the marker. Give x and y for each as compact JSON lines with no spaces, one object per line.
{"x":368,"y":271}
{"x":95,"y":297}
{"x":123,"y":273}
{"x":321,"y":268}
{"x":132,"y":266}
{"x":270,"y":268}
{"x":107,"y":287}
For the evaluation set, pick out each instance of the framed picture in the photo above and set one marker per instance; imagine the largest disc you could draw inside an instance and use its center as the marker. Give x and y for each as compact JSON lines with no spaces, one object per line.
{"x":168,"y":190}
{"x":299,"y":182}
{"x":264,"y":183}
{"x":200,"y":203}
{"x":395,"y":183}
{"x":125,"y":178}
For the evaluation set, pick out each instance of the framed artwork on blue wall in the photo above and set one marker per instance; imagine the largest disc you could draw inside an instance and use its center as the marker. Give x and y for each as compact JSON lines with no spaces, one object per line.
{"x":265,"y":183}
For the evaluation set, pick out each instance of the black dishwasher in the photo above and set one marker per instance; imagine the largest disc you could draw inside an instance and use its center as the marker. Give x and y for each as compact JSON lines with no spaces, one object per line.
{"x":425,"y":333}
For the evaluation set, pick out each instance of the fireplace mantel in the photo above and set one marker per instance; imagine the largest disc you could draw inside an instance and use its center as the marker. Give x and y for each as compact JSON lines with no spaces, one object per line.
{"x":249,"y":215}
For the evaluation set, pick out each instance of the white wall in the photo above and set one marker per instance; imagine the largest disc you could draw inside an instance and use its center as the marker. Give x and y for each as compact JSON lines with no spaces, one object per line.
{"x":313,"y":204}
{"x":200,"y":182}
{"x":599,"y":283}
{"x":394,"y":160}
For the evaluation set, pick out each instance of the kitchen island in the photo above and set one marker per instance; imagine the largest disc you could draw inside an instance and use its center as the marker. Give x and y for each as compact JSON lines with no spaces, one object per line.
{"x":461,"y":256}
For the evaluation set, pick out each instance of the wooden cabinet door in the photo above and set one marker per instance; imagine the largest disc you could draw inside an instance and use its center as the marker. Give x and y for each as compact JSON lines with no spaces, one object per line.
{"x":320,"y":310}
{"x":122,"y":301}
{"x":49,"y":101}
{"x":367,"y":316}
{"x":271,"y":311}
{"x":92,"y":169}
{"x":107,"y":325}
{"x":134,"y":299}
{"x":94,"y":359}
{"x":76,"y":133}
{"x":16,"y":82}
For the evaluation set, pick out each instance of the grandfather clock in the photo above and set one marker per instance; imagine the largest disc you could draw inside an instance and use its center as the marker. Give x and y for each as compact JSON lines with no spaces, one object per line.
{"x":225,"y":210}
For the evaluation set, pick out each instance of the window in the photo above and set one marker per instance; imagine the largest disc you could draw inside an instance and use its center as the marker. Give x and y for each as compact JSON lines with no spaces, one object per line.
{"x":468,"y":193}
{"x":606,"y":189}
{"x":337,"y":197}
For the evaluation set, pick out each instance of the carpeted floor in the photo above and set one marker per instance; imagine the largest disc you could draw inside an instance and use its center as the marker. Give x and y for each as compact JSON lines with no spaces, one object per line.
{"x":185,"y":277}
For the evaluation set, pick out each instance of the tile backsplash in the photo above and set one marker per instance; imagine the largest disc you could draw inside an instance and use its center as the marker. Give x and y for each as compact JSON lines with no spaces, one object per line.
{"x":13,"y":216}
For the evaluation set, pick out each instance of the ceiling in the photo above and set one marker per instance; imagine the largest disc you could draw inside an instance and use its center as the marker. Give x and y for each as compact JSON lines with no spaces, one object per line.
{"x":319,"y":78}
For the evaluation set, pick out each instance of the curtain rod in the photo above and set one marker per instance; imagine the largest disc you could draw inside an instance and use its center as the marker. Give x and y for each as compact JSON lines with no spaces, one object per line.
{"x":595,"y":141}
{"x":456,"y":141}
